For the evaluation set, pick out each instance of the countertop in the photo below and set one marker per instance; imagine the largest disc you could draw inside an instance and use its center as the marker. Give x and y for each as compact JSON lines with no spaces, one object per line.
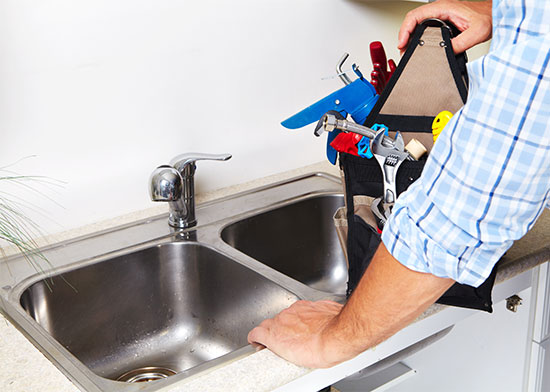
{"x":24,"y":368}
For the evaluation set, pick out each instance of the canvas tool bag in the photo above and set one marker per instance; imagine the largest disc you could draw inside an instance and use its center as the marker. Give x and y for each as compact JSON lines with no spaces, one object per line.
{"x":429,"y":79}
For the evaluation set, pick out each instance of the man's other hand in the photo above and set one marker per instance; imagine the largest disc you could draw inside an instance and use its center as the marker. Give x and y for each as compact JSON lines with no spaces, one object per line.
{"x":472,"y":18}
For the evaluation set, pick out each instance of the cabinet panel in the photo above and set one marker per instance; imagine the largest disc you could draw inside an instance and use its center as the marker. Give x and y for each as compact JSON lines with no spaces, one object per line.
{"x":484,"y":352}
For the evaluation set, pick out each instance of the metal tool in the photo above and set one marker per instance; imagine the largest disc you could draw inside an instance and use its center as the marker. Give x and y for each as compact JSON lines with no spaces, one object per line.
{"x":389,"y":159}
{"x":330,"y":123}
{"x":341,"y":74}
{"x":381,"y":212}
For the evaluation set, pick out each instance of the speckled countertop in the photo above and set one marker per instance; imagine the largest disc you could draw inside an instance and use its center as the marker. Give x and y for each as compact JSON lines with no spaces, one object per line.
{"x":24,"y":368}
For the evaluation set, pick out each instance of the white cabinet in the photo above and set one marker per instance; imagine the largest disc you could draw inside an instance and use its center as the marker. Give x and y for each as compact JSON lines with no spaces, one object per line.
{"x":485,"y":352}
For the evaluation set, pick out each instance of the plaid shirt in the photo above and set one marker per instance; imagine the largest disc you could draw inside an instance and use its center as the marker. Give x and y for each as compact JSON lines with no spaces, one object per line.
{"x":487,"y":179}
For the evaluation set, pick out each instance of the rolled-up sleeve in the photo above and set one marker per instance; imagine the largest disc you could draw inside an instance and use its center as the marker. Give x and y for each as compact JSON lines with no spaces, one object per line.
{"x":487,"y":178}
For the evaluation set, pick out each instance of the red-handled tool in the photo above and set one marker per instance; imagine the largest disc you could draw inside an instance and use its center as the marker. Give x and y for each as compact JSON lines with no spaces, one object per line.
{"x":380,"y":74}
{"x":377,"y":53}
{"x":392,"y":66}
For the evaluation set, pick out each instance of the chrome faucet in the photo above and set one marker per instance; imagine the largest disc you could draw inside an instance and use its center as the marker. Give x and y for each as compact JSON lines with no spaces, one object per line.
{"x":174,"y":183}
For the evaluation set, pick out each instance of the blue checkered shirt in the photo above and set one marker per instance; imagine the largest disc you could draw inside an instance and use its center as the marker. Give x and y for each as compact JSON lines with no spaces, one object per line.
{"x":487,"y":179}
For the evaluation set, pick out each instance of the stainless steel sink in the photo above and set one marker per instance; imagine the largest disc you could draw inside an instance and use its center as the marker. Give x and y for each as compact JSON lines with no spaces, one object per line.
{"x":168,"y":307}
{"x":296,"y":239}
{"x":142,"y":302}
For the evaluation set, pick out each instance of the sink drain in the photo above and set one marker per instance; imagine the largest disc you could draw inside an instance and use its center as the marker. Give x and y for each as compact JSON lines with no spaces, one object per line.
{"x":146,"y":374}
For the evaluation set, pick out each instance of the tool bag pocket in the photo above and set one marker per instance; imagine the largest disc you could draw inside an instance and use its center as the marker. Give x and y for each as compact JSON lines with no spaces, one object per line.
{"x":428,"y":80}
{"x":363,"y":182}
{"x":341,"y":224}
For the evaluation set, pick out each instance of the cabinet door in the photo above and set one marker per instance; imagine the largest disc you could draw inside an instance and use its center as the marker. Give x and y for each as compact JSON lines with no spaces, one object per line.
{"x":544,"y":364}
{"x":538,"y":367}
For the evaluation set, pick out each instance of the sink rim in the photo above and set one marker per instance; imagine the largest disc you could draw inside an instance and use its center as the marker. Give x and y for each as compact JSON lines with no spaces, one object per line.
{"x":283,"y":203}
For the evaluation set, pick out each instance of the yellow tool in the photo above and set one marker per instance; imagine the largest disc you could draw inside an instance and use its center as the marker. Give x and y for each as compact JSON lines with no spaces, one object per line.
{"x":439,"y":123}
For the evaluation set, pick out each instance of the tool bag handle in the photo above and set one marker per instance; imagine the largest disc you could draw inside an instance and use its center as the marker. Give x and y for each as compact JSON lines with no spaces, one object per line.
{"x":429,"y":79}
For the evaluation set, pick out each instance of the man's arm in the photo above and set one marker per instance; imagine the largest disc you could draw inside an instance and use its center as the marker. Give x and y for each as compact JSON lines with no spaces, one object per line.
{"x":322,"y":334}
{"x":472,"y":18}
{"x":484,"y":185}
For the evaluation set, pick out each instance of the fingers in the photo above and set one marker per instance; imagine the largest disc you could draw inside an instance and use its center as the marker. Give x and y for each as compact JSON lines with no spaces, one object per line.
{"x":260,"y":335}
{"x":414,"y":18}
{"x":407,"y":27}
{"x":470,"y":37}
{"x":299,"y":317}
{"x":473,"y":19}
{"x":257,"y":346}
{"x":462,"y":42}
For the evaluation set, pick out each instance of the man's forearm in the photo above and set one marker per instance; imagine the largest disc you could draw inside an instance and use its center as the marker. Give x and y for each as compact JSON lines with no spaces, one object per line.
{"x":388,"y":297}
{"x":322,"y":334}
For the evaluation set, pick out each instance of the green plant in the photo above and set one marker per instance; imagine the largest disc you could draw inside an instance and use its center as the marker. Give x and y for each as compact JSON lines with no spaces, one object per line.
{"x":16,"y":227}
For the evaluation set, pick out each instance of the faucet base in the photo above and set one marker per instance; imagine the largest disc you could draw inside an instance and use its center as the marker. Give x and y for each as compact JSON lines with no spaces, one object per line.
{"x":181,"y":223}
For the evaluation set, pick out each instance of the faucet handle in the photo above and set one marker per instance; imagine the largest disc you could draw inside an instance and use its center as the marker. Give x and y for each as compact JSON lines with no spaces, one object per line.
{"x":181,"y":161}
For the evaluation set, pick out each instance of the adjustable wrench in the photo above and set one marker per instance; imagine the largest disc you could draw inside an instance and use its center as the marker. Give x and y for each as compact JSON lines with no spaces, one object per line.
{"x":389,"y":160}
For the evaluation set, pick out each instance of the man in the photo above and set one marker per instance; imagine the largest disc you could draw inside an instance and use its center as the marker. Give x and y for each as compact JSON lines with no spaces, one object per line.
{"x":484,"y":185}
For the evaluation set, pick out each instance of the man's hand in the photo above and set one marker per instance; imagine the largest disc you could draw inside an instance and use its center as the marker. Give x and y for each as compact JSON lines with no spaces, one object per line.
{"x":296,"y":333}
{"x":323,"y":334}
{"x":473,"y":19}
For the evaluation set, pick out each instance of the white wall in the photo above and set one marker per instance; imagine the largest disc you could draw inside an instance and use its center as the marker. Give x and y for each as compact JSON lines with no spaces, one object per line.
{"x":103,"y":91}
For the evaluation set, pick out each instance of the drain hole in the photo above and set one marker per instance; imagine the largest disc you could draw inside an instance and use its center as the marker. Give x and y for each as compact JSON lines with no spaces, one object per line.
{"x":146,"y":374}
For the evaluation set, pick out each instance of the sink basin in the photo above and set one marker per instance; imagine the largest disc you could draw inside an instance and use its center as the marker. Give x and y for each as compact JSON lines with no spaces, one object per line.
{"x":154,"y":312}
{"x":297,"y":239}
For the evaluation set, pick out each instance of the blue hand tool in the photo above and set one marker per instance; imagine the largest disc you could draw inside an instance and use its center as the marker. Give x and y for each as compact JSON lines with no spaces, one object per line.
{"x":363,"y":147}
{"x":357,"y":99}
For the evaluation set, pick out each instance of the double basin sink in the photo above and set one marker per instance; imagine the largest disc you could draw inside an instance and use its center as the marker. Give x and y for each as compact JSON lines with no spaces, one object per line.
{"x":144,"y":303}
